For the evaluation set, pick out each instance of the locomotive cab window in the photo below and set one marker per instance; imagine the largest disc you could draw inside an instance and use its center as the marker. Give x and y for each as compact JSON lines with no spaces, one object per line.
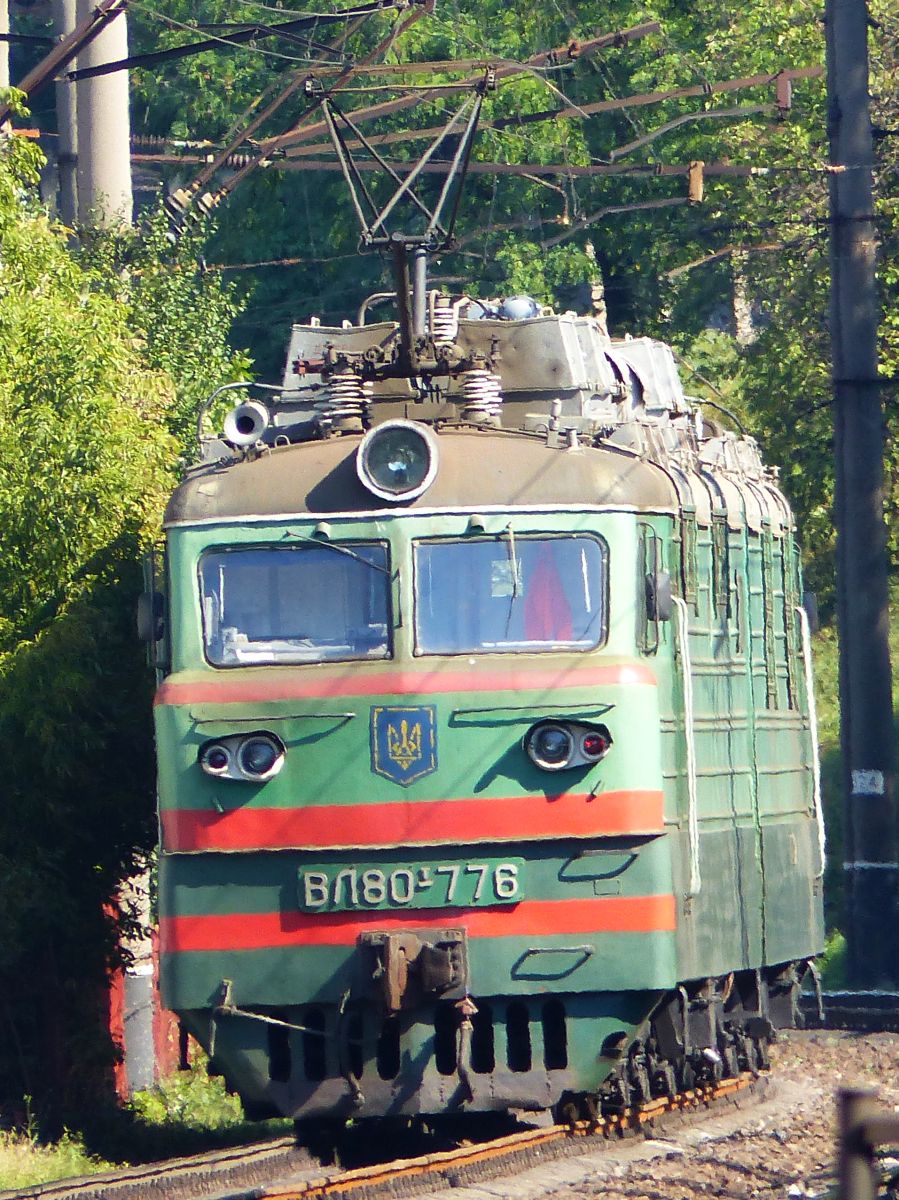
{"x":510,"y":594}
{"x":310,"y":603}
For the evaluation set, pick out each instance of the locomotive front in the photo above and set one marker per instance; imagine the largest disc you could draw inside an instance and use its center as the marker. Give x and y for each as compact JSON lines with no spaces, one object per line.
{"x":416,"y":846}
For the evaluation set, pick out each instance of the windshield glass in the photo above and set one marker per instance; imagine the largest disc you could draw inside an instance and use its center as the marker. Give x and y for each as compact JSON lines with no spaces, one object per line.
{"x":308,"y":603}
{"x":509,"y":594}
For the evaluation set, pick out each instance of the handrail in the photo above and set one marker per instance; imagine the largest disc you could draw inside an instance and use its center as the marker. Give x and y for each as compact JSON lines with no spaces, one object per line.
{"x":813,"y":729}
{"x":683,"y":634}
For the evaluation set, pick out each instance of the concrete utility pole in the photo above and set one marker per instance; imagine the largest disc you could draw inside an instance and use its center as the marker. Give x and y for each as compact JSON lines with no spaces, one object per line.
{"x":64,"y":19}
{"x":866,"y":710}
{"x":104,"y":129}
{"x":4,"y":45}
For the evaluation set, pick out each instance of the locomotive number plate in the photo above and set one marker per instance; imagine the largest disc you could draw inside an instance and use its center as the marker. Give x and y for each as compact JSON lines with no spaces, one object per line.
{"x":339,"y":887}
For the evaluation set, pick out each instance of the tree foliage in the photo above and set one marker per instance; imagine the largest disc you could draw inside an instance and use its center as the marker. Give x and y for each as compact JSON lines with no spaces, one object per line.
{"x":93,"y":403}
{"x":132,"y":339}
{"x":670,"y":271}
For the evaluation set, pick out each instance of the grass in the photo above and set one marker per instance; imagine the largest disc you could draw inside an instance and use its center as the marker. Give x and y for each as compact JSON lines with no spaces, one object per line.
{"x":186,"y":1114}
{"x":25,"y":1160}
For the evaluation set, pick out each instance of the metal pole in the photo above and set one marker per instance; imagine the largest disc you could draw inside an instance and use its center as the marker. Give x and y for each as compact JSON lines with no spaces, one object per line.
{"x":866,"y":712}
{"x":104,"y":149}
{"x":400,"y":264}
{"x":856,"y":1151}
{"x":64,"y":20}
{"x":419,"y":291}
{"x":4,"y":45}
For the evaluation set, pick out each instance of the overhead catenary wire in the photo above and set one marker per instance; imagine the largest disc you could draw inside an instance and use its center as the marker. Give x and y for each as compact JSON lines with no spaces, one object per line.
{"x":740,"y":112}
{"x":589,"y":109}
{"x":572,"y":49}
{"x":184,"y":197}
{"x":242,"y":135}
{"x":244,"y":34}
{"x":348,"y":72}
{"x":578,"y":170}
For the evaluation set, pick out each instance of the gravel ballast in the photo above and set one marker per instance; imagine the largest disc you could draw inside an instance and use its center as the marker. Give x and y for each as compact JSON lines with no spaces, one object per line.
{"x":783,"y":1146}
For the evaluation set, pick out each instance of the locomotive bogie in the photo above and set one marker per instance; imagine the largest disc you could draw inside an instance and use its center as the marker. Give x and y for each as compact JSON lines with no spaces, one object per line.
{"x":521,"y":1053}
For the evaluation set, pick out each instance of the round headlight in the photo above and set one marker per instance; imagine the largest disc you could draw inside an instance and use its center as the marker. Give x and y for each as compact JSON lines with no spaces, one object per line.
{"x":397,"y":460}
{"x":550,"y":746}
{"x":259,"y":757}
{"x":215,"y":759}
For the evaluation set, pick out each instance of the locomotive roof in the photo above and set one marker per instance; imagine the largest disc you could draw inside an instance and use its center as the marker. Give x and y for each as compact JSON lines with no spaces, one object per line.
{"x":478,"y":467}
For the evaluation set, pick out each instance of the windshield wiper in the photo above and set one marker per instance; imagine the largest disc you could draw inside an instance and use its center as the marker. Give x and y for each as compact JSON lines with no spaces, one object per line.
{"x":339,"y":549}
{"x":513,"y":563}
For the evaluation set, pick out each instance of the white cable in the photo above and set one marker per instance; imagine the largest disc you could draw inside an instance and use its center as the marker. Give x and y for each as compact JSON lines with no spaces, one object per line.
{"x":683,"y":634}
{"x":813,"y":729}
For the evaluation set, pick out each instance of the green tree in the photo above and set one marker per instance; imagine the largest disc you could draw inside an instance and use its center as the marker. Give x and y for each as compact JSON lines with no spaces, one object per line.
{"x":91,"y":431}
{"x":181,"y":312}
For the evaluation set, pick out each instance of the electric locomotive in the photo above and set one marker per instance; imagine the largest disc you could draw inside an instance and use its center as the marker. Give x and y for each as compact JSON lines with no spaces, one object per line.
{"x":487,"y":754}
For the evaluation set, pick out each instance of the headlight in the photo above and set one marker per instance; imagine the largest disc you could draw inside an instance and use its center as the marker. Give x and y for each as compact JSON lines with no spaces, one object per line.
{"x":397,"y":460}
{"x":559,"y":745}
{"x":550,"y":746}
{"x":252,"y":757}
{"x":258,"y":756}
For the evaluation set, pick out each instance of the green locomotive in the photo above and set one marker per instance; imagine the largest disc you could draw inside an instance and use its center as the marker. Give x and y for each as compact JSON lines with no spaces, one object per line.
{"x":487,"y":757}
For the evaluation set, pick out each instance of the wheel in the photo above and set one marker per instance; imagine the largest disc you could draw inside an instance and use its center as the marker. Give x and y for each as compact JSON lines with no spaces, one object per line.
{"x":686,"y":1076}
{"x":761,"y":1048}
{"x":664,"y":1080}
{"x":638,"y":1076}
{"x":730,"y":1061}
{"x":321,"y":1138}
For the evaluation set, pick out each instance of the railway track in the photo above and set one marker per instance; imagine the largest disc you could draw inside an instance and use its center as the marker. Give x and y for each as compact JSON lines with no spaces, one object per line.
{"x":238,"y":1167}
{"x":864,"y":1012}
{"x":281,"y":1170}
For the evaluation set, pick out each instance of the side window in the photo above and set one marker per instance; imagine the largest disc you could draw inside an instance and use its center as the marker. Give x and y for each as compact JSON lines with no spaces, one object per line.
{"x":720,"y":566}
{"x":649,"y":564}
{"x":155,"y":602}
{"x":688,"y":556}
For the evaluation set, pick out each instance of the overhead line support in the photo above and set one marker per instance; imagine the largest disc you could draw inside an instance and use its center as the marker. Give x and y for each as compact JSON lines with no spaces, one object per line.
{"x":865,"y":676}
{"x":67,"y":49}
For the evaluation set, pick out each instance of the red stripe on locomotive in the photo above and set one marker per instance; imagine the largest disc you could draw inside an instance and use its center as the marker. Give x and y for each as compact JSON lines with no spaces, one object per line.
{"x":228,"y":689}
{"x":505,"y":818}
{"x":529,"y":918}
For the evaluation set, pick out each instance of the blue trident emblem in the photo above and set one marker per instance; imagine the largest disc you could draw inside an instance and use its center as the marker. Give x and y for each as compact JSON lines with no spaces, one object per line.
{"x":403,"y":742}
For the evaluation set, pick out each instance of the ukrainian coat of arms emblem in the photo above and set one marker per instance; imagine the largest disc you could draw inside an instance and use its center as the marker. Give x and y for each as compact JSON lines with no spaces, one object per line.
{"x":403,"y":742}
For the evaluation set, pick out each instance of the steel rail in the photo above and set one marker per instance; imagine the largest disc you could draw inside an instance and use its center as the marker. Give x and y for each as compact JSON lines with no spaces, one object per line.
{"x":559,"y":1140}
{"x":282,"y":1170}
{"x":235,"y":1166}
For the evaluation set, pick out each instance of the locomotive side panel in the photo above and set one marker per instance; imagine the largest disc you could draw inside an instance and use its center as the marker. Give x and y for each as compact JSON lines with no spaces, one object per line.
{"x":749,"y":878}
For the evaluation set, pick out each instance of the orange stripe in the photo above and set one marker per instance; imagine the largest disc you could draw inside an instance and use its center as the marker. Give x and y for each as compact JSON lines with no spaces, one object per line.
{"x":415,"y":823}
{"x":293,"y":684}
{"x":530,"y":918}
